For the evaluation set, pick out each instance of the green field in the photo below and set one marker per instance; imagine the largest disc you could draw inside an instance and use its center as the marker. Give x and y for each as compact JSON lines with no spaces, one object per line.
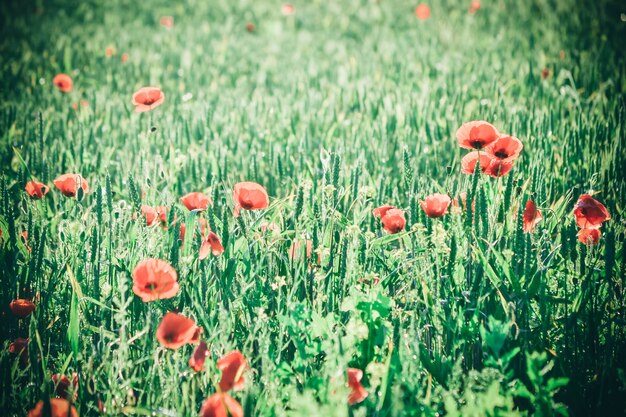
{"x":335,"y":108}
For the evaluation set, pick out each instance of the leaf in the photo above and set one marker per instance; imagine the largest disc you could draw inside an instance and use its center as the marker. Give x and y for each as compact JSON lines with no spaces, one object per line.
{"x":73,"y":328}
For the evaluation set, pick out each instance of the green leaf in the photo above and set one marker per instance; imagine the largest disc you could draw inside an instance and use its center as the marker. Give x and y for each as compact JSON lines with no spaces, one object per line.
{"x":73,"y":328}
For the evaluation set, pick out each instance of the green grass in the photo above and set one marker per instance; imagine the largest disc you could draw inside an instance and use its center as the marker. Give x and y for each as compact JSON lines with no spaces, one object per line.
{"x":340,"y":108}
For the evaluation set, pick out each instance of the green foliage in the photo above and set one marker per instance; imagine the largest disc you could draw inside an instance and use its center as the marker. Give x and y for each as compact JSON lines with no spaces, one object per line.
{"x":337,"y":109}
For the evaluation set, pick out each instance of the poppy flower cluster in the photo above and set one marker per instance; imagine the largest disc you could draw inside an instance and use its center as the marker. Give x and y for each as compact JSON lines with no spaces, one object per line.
{"x":590,"y":214}
{"x":232,"y":366}
{"x":392,"y":218}
{"x":68,"y":184}
{"x":494,"y":152}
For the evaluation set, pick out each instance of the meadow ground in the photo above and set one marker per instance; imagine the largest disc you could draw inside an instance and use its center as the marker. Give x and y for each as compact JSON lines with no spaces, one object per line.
{"x":294,"y":296}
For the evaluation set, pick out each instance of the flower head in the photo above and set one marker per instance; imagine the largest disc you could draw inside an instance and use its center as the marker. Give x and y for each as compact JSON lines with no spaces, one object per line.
{"x":590,"y":213}
{"x":232,"y":365}
{"x":211,"y":244}
{"x":250,"y":196}
{"x":154,"y":279}
{"x":176,"y":330}
{"x":21,"y":308}
{"x":196,"y":201}
{"x":69,"y":184}
{"x":532,"y":216}
{"x":221,"y":405}
{"x":197,"y":359}
{"x":393,"y":221}
{"x":436,"y":205}
{"x":63,"y":82}
{"x":147,"y":98}
{"x":36,"y":190}
{"x":476,"y":134}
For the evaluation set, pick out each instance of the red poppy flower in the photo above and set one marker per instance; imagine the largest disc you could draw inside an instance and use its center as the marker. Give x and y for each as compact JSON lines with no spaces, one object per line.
{"x":62,"y":385}
{"x":124,"y":57}
{"x":498,"y":167}
{"x":36,"y":189}
{"x":590,"y":213}
{"x":474,"y":6}
{"x":358,"y":393}
{"x":198,"y":357}
{"x":154,"y":279}
{"x":167,"y":22}
{"x":532,"y":216}
{"x":288,"y":9}
{"x":68,"y":184}
{"x":59,"y":407}
{"x":381,"y":211}
{"x":221,"y":405}
{"x":150,"y":214}
{"x":232,"y":365}
{"x":211,"y":244}
{"x":250,"y":196}
{"x":545,"y":73}
{"x":19,"y":347}
{"x":21,"y":308}
{"x":394,"y":221}
{"x":476,"y":134}
{"x":250,"y":27}
{"x":147,"y":98}
{"x":63,"y":82}
{"x":468,"y":162}
{"x":589,"y":236}
{"x":109,"y":51}
{"x":436,"y":205}
{"x":422,"y":11}
{"x":196,"y":201}
{"x":505,"y":147}
{"x":176,"y":330}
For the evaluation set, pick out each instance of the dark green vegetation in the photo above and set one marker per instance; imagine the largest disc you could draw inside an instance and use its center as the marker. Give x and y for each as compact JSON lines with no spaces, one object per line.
{"x":338,"y":109}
